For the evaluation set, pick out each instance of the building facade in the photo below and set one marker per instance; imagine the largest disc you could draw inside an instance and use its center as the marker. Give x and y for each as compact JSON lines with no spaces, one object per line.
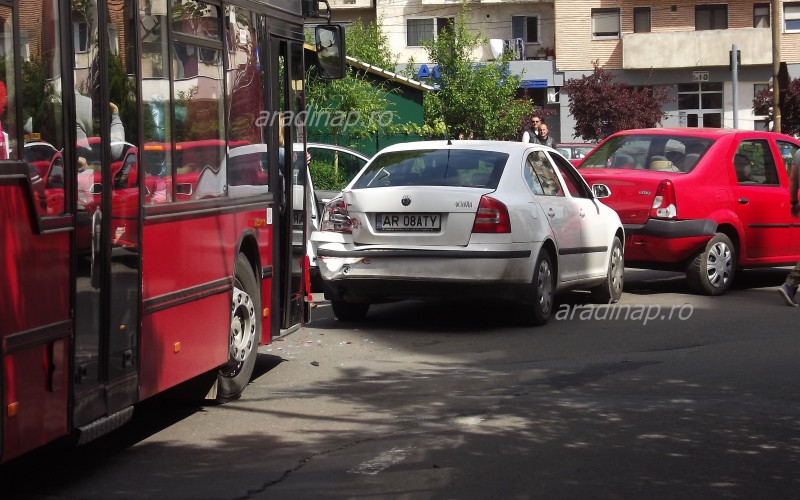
{"x":684,"y":46}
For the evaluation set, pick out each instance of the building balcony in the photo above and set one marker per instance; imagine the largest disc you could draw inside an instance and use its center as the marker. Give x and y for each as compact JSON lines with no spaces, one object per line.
{"x":536,"y":74}
{"x":350,"y":4}
{"x":686,"y":49}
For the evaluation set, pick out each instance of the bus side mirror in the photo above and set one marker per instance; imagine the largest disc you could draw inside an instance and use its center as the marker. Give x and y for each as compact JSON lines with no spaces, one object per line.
{"x":329,"y":39}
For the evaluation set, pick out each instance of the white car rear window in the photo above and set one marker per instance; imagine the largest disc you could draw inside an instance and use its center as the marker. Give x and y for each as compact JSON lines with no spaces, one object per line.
{"x":441,"y":167}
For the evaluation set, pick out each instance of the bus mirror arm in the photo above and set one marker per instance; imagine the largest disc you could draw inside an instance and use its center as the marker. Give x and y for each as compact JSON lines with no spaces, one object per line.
{"x":311,"y":9}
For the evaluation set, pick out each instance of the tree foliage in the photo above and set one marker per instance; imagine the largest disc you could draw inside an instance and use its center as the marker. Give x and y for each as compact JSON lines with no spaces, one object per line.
{"x":602,"y":106}
{"x":476,"y":100}
{"x":352,"y":103}
{"x":368,"y":43}
{"x":789,"y":103}
{"x":41,"y":97}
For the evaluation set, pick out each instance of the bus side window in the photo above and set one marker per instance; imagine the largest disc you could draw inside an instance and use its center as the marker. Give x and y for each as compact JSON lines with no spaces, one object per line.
{"x":40,"y":98}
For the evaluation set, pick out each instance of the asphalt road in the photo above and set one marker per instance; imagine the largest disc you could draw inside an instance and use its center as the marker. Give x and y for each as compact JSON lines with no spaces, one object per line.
{"x":457,"y":400}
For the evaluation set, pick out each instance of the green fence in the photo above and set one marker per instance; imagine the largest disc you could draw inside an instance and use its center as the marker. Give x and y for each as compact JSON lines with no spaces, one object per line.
{"x":367,"y":145}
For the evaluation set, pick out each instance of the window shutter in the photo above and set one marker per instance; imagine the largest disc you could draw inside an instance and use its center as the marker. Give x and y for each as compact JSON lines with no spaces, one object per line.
{"x":606,"y":22}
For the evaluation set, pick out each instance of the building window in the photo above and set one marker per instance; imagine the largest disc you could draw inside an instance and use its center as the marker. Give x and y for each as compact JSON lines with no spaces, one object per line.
{"x":526,"y":28}
{"x":113,"y":39}
{"x":442,"y":23}
{"x":419,"y":30}
{"x":761,"y":15}
{"x":700,"y":104}
{"x":791,"y":16}
{"x":641,"y":20}
{"x":605,"y":23}
{"x":81,"y":36}
{"x":711,"y":17}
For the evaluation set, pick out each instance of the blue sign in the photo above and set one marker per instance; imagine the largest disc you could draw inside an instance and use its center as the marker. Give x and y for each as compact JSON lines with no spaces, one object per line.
{"x":424,"y":72}
{"x":533,"y":84}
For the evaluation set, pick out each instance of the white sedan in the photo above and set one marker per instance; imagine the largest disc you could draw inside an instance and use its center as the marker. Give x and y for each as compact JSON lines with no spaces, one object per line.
{"x":500,"y":220}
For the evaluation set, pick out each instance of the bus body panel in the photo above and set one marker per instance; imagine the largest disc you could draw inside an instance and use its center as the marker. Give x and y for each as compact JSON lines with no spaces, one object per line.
{"x":36,"y":389}
{"x":178,"y":340}
{"x":34,"y":279}
{"x":179,"y":343}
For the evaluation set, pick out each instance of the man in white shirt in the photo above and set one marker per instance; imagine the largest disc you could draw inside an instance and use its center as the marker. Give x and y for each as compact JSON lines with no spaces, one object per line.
{"x":532,"y":135}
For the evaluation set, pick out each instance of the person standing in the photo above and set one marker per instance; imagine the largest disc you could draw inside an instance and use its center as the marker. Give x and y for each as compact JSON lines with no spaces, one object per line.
{"x":789,"y":287}
{"x":544,"y":136}
{"x":532,"y":134}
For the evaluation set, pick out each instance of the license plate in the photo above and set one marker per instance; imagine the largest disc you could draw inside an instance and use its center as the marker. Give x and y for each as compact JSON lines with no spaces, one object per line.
{"x":408,"y":222}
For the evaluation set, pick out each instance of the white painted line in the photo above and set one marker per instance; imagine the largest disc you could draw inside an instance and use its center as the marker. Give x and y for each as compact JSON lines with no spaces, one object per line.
{"x":382,"y":461}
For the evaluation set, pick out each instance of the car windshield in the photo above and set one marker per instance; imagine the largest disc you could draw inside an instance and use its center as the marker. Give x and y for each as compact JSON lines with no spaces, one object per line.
{"x":39,"y":152}
{"x":574,"y":152}
{"x":439,"y":167}
{"x":671,"y":153}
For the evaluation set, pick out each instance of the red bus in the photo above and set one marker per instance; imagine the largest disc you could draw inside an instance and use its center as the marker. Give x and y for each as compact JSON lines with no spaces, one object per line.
{"x":119,"y":277}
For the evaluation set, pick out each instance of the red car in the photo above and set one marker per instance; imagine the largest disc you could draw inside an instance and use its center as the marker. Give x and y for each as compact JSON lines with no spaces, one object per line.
{"x":703,"y":201}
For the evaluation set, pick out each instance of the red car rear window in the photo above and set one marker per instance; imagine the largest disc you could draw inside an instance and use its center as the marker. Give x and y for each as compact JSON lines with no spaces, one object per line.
{"x":672,"y":153}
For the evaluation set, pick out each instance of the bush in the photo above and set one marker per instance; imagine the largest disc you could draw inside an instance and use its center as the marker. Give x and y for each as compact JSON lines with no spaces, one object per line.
{"x":325,"y":177}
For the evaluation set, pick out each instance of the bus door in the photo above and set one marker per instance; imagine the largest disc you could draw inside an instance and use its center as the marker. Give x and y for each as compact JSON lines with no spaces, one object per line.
{"x":107,"y":203}
{"x":287,"y":98}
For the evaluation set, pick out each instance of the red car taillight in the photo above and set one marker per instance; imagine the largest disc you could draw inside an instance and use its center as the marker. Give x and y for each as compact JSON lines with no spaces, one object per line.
{"x":664,"y":204}
{"x":335,"y":217}
{"x":492,"y":217}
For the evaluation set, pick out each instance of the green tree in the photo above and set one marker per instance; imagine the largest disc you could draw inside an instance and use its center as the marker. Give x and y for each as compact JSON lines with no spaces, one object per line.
{"x":353,"y":104}
{"x":478,"y":100}
{"x":789,"y":103}
{"x":602,"y":106}
{"x":368,"y":43}
{"x":40,"y":98}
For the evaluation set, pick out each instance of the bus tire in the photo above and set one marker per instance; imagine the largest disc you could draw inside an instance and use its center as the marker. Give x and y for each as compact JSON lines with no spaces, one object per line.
{"x":244,"y":333}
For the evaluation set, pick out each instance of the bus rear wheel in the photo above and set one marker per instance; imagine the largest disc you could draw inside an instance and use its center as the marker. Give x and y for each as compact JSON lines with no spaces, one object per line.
{"x":244,"y":331}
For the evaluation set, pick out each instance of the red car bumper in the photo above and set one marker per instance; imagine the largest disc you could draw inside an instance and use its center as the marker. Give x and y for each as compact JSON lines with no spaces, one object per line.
{"x":665,"y":241}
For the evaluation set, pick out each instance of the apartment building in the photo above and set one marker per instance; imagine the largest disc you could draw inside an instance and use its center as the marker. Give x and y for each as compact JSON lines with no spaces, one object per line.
{"x":682,"y":44}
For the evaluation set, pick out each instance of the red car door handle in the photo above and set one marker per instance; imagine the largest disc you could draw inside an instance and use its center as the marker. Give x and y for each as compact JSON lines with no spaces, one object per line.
{"x":744,"y":201}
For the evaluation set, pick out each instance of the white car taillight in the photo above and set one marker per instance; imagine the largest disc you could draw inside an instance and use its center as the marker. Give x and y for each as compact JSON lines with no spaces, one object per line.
{"x":664,"y":204}
{"x":335,"y":217}
{"x":491,"y":217}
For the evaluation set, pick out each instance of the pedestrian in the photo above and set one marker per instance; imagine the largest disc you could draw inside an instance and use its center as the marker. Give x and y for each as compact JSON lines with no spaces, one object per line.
{"x":544,"y":136}
{"x":532,"y":134}
{"x":789,"y":287}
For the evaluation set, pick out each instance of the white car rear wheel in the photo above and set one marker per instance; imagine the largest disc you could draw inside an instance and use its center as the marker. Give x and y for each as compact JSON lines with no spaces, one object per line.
{"x":611,"y":290}
{"x":543,"y":285}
